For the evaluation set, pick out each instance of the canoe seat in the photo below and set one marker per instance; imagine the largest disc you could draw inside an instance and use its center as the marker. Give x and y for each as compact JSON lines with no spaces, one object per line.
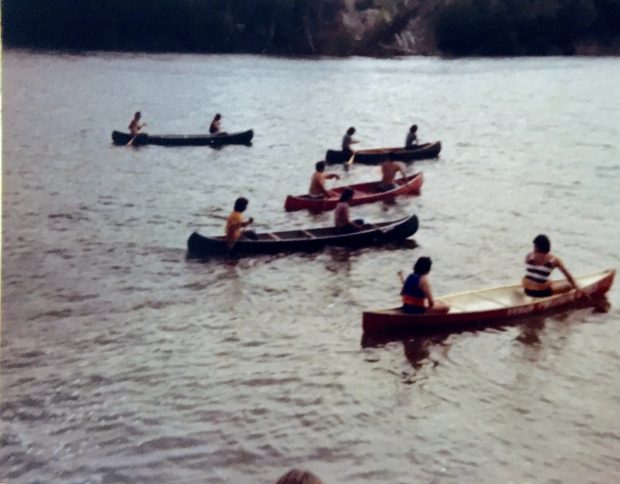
{"x":273,"y":236}
{"x":309,"y":234}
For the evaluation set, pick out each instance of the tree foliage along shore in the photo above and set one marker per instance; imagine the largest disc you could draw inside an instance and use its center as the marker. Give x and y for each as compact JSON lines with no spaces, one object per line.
{"x":461,"y":27}
{"x":525,"y":27}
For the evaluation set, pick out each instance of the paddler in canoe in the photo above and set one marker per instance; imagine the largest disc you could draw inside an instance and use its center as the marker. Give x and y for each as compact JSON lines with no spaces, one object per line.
{"x":417,"y":294}
{"x":347,"y":141}
{"x":215,"y":126}
{"x":236,"y":223}
{"x":389,"y":169}
{"x":342,"y":219}
{"x":538,"y":267}
{"x":317,"y":182}
{"x":135,"y":126}
{"x":412,"y":138}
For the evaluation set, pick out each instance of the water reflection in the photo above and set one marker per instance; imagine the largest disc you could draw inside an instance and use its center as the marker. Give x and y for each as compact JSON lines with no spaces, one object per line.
{"x":529,"y":331}
{"x":417,"y":349}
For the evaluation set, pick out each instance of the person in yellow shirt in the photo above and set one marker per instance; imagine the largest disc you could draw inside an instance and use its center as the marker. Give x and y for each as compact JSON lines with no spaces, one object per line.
{"x":235,"y":223}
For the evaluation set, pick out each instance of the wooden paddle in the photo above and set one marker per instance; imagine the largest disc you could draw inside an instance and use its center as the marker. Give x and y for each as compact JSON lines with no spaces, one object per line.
{"x":130,"y":142}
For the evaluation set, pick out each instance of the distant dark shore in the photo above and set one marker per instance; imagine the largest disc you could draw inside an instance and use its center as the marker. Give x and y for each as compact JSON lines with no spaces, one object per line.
{"x":456,"y":28}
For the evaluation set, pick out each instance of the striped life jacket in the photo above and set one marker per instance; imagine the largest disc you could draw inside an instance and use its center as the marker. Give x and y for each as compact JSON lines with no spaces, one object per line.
{"x":539,"y":273}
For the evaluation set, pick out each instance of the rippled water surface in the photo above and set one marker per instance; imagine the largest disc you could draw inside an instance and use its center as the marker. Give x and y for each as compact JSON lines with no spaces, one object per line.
{"x":124,"y":362}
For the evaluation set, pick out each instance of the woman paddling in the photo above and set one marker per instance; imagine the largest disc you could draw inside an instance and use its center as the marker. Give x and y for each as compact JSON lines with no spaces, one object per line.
{"x":416,"y":291}
{"x":538,"y":267}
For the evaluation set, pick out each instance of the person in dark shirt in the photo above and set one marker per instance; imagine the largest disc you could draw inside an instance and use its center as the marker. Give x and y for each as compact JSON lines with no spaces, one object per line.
{"x":417,"y":294}
{"x":412,"y":137}
{"x":347,"y":141}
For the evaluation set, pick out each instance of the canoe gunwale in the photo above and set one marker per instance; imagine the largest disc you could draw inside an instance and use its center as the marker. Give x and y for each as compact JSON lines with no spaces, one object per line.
{"x":394,"y":321}
{"x":412,"y":185}
{"x":376,"y":234}
{"x":375,"y":156}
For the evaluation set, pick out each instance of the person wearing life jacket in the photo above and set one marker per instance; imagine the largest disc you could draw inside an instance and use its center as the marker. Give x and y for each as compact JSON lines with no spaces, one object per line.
{"x":417,"y":294}
{"x":538,"y":267}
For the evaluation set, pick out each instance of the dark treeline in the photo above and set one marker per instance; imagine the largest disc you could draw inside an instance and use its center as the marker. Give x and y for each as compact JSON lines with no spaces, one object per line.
{"x":284,"y":26}
{"x":462,"y":27}
{"x":525,"y":27}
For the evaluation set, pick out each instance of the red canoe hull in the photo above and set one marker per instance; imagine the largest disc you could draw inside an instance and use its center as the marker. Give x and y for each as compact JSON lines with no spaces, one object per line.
{"x":395,"y":321}
{"x":362,"y":193}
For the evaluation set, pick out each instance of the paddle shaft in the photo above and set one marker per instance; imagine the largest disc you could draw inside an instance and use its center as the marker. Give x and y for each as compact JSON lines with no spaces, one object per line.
{"x":130,"y":142}
{"x":349,"y":162}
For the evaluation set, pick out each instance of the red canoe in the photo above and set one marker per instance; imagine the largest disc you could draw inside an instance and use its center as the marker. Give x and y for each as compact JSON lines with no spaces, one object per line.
{"x":485,"y":307}
{"x":362,"y":193}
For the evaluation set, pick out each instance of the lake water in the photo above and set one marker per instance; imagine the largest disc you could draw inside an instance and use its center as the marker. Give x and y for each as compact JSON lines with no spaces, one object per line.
{"x":122,"y":361}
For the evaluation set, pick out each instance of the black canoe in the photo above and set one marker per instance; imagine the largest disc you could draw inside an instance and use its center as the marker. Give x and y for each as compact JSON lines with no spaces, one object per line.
{"x":376,"y":156}
{"x":243,"y":138}
{"x":305,"y":240}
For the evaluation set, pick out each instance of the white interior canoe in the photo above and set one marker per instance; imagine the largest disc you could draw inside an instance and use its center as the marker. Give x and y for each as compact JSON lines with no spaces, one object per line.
{"x":485,"y":306}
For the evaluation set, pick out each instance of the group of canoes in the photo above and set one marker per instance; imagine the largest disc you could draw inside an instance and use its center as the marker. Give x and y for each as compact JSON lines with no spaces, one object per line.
{"x":419,"y":310}
{"x":346,"y":231}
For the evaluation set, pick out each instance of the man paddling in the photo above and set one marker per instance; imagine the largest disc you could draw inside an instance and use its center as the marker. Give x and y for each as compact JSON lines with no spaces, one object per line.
{"x":317,"y":182}
{"x":135,"y":126}
{"x":412,"y":138}
{"x":389,"y":169}
{"x":347,"y":141}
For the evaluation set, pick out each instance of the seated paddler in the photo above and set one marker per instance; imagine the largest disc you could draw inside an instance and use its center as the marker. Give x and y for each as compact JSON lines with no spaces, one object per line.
{"x":236,"y":223}
{"x":317,"y":182}
{"x":417,"y":294}
{"x":538,"y":267}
